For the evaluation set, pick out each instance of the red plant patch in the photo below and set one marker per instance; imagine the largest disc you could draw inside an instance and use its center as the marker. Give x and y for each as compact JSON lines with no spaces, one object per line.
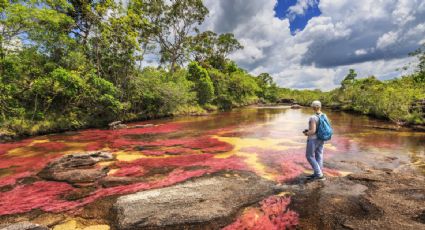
{"x":179,"y":151}
{"x":289,"y":171}
{"x":23,"y":167}
{"x":41,"y":194}
{"x":95,"y":146}
{"x":49,"y":146}
{"x":117,"y":138}
{"x":11,"y":179}
{"x":153,"y":152}
{"x":214,"y":164}
{"x":133,"y":171}
{"x":204,"y":143}
{"x":20,"y":164}
{"x":273,"y":215}
{"x":5,"y":147}
{"x":290,"y":163}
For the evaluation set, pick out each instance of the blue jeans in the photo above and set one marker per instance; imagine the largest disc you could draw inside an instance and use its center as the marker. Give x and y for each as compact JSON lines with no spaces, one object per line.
{"x":314,"y":155}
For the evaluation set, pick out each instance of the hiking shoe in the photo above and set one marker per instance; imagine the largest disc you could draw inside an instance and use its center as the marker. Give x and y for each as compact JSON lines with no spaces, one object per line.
{"x":316,"y":177}
{"x":322,"y":177}
{"x":310,"y":176}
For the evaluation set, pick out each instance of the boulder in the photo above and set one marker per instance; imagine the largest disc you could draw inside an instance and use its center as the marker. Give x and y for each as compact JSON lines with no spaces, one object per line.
{"x":24,"y":225}
{"x":77,"y":168}
{"x":117,"y":125}
{"x":207,"y":202}
{"x":296,"y":106}
{"x":112,"y":181}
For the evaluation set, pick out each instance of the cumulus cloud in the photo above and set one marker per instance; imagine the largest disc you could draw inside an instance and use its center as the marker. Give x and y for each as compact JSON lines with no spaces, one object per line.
{"x":300,"y":7}
{"x":380,"y":26}
{"x":372,"y":37}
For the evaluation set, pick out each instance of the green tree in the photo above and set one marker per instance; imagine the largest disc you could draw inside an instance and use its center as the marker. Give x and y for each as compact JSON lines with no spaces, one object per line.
{"x":212,"y":50}
{"x":268,"y":89}
{"x":243,"y":88}
{"x":173,"y":23}
{"x":349,"y":79}
{"x":420,"y":71}
{"x":202,"y":83}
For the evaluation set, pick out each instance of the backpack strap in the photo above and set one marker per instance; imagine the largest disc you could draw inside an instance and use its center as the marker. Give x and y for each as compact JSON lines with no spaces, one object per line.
{"x":318,"y":122}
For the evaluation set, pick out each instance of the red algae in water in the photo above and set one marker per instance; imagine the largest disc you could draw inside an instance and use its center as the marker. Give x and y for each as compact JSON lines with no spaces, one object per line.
{"x":49,"y":146}
{"x":23,"y":167}
{"x":289,"y":163}
{"x":289,"y":171}
{"x":5,"y":147}
{"x":208,"y":160}
{"x":273,"y":215}
{"x":179,"y":151}
{"x":133,"y":171}
{"x":95,"y":146}
{"x":33,"y":163}
{"x":99,"y":138}
{"x":11,"y":179}
{"x":41,"y":194}
{"x":175,"y":176}
{"x":204,"y":143}
{"x":46,"y":195}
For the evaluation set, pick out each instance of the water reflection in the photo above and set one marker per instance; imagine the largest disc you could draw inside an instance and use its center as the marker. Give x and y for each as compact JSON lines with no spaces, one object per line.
{"x":267,"y":141}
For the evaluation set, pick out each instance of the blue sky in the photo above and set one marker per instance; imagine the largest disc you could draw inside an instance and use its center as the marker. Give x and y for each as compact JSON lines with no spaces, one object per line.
{"x":313,"y":43}
{"x":298,"y":22}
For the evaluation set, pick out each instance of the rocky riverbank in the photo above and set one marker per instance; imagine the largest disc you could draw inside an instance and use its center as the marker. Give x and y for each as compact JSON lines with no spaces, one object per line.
{"x":375,"y":199}
{"x":214,"y":172}
{"x":371,"y":198}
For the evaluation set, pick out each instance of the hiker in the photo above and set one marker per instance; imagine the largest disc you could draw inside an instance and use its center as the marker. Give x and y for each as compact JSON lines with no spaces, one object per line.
{"x":319,"y":131}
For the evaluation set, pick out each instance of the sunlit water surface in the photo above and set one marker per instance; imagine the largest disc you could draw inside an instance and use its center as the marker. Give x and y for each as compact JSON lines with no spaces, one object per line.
{"x":267,"y":141}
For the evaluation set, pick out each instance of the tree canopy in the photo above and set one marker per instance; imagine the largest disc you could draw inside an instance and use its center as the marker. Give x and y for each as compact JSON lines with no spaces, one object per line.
{"x":73,"y":64}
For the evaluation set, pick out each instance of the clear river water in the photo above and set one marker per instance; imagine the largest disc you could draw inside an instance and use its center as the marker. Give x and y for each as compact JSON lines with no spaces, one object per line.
{"x":267,"y":141}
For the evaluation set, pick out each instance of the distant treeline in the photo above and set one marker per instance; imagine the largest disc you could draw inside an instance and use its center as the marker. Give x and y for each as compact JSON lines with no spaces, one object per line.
{"x":400,"y":100}
{"x":73,"y":64}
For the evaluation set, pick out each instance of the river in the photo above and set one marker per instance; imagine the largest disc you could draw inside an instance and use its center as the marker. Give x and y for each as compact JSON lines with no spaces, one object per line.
{"x":266,"y":140}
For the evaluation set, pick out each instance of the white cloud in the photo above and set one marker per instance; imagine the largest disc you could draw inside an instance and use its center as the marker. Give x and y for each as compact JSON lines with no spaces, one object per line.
{"x":372,"y":37}
{"x":387,"y":39}
{"x":300,"y":7}
{"x":360,"y":52}
{"x":404,"y":11}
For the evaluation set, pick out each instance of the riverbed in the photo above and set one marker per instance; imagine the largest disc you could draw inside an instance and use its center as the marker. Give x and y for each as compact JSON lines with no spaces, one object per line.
{"x":266,"y":141}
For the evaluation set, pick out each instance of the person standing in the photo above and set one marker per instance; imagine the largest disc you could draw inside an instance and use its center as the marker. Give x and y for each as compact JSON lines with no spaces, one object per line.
{"x":314,"y":148}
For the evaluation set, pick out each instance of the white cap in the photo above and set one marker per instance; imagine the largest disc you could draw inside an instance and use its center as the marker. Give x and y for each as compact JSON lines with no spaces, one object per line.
{"x":316,"y":104}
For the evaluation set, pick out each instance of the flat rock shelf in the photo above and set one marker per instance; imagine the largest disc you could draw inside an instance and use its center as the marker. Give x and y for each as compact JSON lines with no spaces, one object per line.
{"x":208,"y":202}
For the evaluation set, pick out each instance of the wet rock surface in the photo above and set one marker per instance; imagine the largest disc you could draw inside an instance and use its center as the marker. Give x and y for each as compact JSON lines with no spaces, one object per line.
{"x":24,"y":225}
{"x":77,"y":168}
{"x":117,"y":125}
{"x":374,"y":199}
{"x":296,"y":106}
{"x":208,"y":202}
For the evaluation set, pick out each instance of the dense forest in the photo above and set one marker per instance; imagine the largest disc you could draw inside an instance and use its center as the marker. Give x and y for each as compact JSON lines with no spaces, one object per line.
{"x":74,"y":64}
